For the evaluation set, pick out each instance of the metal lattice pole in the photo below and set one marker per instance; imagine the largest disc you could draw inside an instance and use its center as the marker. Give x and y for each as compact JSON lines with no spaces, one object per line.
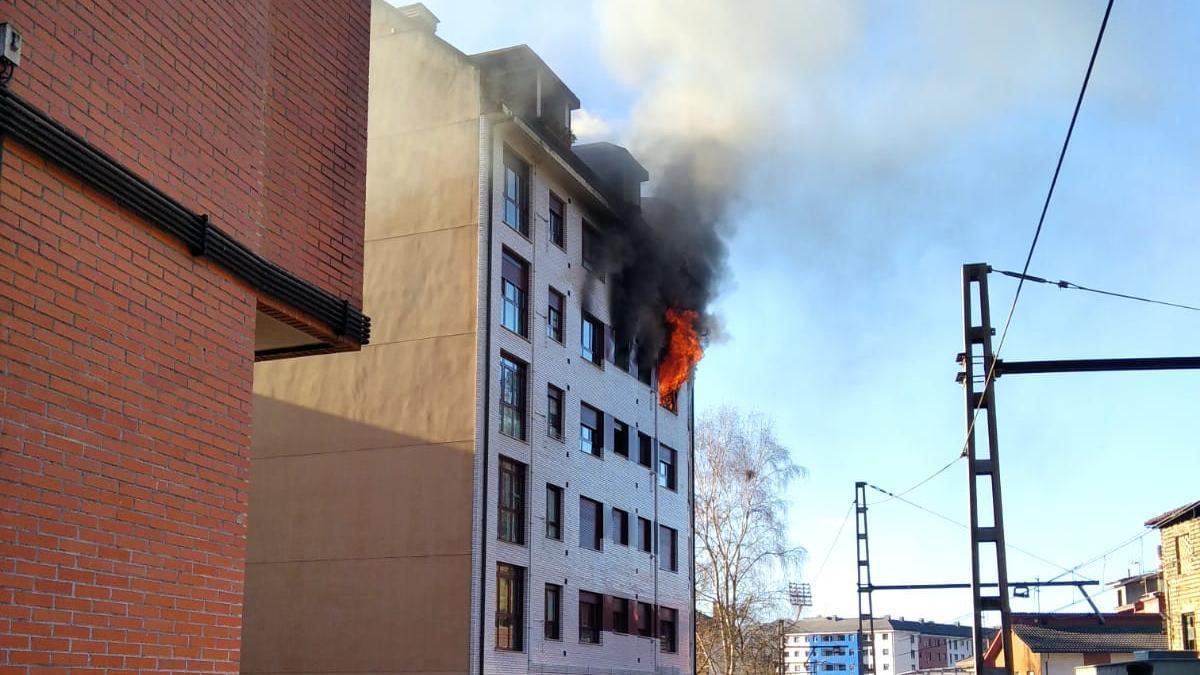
{"x":983,"y":468}
{"x":866,"y":609}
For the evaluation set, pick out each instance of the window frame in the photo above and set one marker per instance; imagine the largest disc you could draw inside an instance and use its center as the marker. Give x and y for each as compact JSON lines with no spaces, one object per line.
{"x":596,"y":542}
{"x":555,"y":411}
{"x":510,"y":516}
{"x":619,"y":619}
{"x":515,"y":616}
{"x":645,"y":612}
{"x":594,"y":613}
{"x":589,"y":237}
{"x":620,"y":438}
{"x":645,"y":449}
{"x":668,"y":563}
{"x":557,"y":234}
{"x":554,"y":511}
{"x":556,"y":327}
{"x":620,"y":518}
{"x":518,"y":305}
{"x":514,"y":412}
{"x":667,"y":457}
{"x":645,"y":535}
{"x":1187,"y":631}
{"x":519,"y":202}
{"x":668,"y":640}
{"x":592,"y":352}
{"x":595,"y":440}
{"x":552,"y":620}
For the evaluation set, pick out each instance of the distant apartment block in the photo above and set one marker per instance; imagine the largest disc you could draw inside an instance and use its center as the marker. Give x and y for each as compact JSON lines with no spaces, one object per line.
{"x":1180,"y":531}
{"x":830,"y":644}
{"x":181,"y":196}
{"x":492,"y":486}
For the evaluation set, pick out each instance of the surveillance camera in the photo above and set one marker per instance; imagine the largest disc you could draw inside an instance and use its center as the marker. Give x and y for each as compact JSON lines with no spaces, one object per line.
{"x":11,"y":39}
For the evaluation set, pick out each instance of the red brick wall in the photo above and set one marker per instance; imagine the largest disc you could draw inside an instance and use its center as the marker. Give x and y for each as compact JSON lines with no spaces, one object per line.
{"x":252,"y":111}
{"x":125,"y":363}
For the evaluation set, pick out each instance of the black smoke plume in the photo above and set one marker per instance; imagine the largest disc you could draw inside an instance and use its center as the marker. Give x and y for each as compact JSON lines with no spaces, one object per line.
{"x":672,"y":255}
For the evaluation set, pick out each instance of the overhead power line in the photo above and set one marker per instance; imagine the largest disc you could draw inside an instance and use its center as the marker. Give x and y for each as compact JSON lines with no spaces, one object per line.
{"x":918,"y":484}
{"x":1037,"y":233}
{"x":1076,"y":287}
{"x":837,"y":537}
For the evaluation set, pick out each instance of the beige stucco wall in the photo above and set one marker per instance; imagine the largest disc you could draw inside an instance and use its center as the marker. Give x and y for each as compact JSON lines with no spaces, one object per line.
{"x":362,"y":466}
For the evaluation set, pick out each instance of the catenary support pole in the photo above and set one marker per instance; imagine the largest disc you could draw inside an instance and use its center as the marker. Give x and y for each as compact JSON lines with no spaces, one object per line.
{"x":866,"y":609}
{"x":983,"y":467}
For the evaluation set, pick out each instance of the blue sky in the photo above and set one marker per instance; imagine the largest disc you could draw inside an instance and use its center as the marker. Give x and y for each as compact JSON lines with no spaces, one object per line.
{"x":886,"y":144}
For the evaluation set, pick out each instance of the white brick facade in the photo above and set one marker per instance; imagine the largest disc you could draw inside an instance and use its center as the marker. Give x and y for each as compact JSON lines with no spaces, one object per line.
{"x":615,"y":481}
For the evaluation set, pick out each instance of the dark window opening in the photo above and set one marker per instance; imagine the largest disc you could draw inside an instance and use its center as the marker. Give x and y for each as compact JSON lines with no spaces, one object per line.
{"x":591,"y":249}
{"x":620,"y":524}
{"x":553,"y":612}
{"x":645,"y":449}
{"x":645,"y":534}
{"x":554,"y":316}
{"x":591,"y":430}
{"x":510,"y":607}
{"x":668,"y":540}
{"x":667,"y":624}
{"x":554,"y":412}
{"x":516,"y":192}
{"x":1188,"y":631}
{"x":591,"y":524}
{"x":511,"y":521}
{"x":666,"y":467}
{"x":589,"y":617}
{"x":554,"y":512}
{"x":557,"y":224}
{"x":514,"y":294}
{"x":621,"y":438}
{"x":645,"y":619}
{"x":512,"y":397}
{"x":620,"y":615}
{"x":591,"y":339}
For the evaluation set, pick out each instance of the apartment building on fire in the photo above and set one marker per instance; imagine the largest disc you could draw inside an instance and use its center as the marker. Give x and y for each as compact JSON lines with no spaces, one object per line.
{"x":491,"y":486}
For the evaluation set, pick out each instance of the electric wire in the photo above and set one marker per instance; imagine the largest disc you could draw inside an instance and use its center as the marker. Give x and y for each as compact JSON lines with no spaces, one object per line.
{"x":963,"y":525}
{"x":1037,"y":233}
{"x":1076,"y":287}
{"x":837,"y":537}
{"x":918,"y":484}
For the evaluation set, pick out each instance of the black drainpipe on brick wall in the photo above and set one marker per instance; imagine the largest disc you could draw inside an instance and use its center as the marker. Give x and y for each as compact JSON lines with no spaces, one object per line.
{"x":487,"y":399}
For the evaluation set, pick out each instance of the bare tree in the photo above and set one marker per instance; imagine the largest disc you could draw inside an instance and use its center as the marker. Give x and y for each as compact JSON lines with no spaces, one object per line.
{"x":742,"y":474}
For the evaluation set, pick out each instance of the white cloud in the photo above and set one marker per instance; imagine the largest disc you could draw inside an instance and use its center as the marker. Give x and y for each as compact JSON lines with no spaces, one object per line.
{"x":589,"y":127}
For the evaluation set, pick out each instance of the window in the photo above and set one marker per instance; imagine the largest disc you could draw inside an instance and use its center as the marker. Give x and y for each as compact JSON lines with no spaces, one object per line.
{"x":645,"y":449}
{"x":554,"y":316}
{"x":645,"y":372}
{"x":621,"y":438}
{"x":645,"y":534}
{"x":591,"y":430}
{"x":591,"y":524}
{"x":1183,"y":551}
{"x":516,"y":192}
{"x":667,"y":620}
{"x":885,"y":636}
{"x":554,"y":412}
{"x":620,"y":523}
{"x":511,"y":522}
{"x":1188,"y":631}
{"x":553,"y":621}
{"x":554,"y":512}
{"x":620,"y":615}
{"x":510,"y":607}
{"x":512,"y":397}
{"x":645,"y":619}
{"x":885,"y":667}
{"x":666,"y":467}
{"x":885,"y":651}
{"x":591,"y":248}
{"x":589,"y":617}
{"x":591,"y":339}
{"x":514,"y":294}
{"x":557,"y":221}
{"x":668,"y":559}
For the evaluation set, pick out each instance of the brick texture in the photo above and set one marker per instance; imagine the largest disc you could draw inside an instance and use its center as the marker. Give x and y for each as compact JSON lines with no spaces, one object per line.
{"x":125,"y":363}
{"x":1181,"y":576}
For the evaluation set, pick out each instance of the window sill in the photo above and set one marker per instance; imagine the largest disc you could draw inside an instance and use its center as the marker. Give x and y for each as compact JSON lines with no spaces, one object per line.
{"x":513,"y":332}
{"x":515,"y":438}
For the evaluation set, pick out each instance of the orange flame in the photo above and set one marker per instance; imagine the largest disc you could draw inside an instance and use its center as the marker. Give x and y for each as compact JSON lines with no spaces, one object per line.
{"x":683,"y":352}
